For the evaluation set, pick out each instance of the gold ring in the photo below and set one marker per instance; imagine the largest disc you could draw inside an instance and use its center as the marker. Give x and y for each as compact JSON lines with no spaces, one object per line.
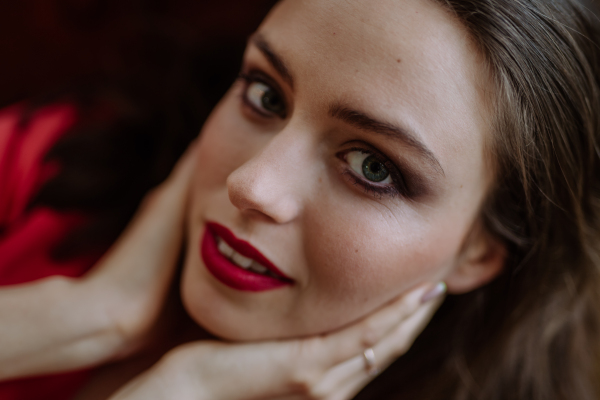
{"x":370,"y":364}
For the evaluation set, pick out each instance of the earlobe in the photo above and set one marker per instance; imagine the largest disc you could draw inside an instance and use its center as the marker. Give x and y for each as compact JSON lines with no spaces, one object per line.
{"x":481,"y":260}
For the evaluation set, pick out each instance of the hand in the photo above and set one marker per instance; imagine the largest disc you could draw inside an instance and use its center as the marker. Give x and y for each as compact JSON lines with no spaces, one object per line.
{"x":330,"y":366}
{"x":137,"y":271}
{"x":59,"y":324}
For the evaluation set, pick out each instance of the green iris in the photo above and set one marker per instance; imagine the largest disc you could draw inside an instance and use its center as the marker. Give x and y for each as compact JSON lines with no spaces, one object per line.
{"x":271,"y":101}
{"x":374,"y":170}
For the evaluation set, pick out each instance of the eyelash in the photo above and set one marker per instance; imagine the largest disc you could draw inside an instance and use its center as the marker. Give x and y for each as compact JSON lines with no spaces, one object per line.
{"x":398,"y":187}
{"x":256,"y":76}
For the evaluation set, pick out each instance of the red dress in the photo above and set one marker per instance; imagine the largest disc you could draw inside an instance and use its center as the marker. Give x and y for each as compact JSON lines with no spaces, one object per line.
{"x":27,"y":236}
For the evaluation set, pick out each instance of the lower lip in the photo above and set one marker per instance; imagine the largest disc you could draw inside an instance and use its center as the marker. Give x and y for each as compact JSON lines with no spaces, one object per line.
{"x":229,"y":273}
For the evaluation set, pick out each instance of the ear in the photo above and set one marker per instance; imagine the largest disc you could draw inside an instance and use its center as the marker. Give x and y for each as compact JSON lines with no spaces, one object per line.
{"x":481,"y":260}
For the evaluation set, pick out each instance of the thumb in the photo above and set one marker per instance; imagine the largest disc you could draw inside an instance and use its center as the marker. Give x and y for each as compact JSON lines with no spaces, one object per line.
{"x":170,"y":197}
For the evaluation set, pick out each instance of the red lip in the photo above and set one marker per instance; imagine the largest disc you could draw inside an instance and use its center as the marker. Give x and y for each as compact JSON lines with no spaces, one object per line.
{"x":229,"y":273}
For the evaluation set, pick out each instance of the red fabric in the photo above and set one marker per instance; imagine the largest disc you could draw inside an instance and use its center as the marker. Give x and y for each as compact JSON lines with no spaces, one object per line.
{"x":27,"y":236}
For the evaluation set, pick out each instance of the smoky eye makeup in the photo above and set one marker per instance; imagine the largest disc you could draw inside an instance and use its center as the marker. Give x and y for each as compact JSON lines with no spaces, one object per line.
{"x":374,"y":174}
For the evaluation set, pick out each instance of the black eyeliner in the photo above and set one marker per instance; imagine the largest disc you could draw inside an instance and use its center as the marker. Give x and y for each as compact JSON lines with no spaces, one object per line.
{"x":255,"y":75}
{"x":399,"y":185}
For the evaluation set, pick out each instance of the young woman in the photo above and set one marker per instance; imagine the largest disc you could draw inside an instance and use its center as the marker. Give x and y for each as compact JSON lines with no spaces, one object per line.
{"x":368,"y":151}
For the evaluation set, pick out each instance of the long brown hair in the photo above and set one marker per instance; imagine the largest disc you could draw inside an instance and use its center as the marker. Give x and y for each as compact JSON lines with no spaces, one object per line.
{"x":533,"y":333}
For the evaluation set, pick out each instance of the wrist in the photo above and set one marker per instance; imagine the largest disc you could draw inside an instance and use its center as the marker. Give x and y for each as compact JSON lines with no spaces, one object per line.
{"x":105,"y":311}
{"x":180,"y":375}
{"x":52,"y":325}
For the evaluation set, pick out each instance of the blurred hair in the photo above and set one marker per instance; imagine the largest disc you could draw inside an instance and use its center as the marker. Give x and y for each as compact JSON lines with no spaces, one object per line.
{"x":533,"y":333}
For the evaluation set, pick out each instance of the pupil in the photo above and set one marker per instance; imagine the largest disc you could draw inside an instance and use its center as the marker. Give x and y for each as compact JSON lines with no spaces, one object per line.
{"x":374,"y":170}
{"x":271,"y":102}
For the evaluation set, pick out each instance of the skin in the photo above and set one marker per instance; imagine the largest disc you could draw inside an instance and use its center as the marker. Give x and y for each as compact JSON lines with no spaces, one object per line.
{"x":284,"y":182}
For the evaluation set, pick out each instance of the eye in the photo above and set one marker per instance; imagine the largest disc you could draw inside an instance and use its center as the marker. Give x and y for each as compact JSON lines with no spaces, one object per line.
{"x":264,"y":99}
{"x":368,"y":166}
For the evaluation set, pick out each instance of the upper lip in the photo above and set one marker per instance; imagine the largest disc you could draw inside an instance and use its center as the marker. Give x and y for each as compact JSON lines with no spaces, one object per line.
{"x":245,"y":248}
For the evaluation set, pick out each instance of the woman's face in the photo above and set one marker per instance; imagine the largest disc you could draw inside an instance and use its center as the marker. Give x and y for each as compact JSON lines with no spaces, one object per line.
{"x":349,"y":154}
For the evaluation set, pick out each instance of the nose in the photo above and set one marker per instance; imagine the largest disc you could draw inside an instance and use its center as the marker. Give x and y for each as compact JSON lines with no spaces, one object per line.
{"x":272,"y":183}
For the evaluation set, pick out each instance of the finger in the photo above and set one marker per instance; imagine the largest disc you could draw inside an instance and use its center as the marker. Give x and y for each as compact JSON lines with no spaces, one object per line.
{"x":346,"y":379}
{"x":346,"y":343}
{"x":171,"y":195}
{"x":401,"y":339}
{"x":260,"y":370}
{"x":339,"y":376}
{"x":347,"y":383}
{"x":265,"y":370}
{"x":398,"y":341}
{"x":182,"y":172}
{"x":350,"y":389}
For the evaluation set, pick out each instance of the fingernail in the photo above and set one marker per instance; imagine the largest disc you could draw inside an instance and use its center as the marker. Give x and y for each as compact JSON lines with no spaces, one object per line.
{"x":436,"y":291}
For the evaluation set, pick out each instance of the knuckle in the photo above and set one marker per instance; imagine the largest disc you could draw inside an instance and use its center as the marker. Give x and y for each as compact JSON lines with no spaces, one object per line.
{"x":307,"y":371}
{"x":370,"y":334}
{"x":320,"y":391}
{"x":316,"y":394}
{"x":303,"y":381}
{"x":305,"y":375}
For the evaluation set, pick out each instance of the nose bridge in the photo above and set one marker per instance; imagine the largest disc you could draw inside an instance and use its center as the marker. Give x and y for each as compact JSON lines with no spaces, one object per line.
{"x":271,"y":183}
{"x":286,"y":151}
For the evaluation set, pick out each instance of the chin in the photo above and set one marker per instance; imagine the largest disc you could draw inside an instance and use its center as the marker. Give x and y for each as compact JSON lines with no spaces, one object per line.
{"x":225,"y":320}
{"x":216,"y":327}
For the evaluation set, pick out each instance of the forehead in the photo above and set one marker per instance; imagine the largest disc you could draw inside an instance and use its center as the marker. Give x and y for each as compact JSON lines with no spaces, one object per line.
{"x":406,"y":61}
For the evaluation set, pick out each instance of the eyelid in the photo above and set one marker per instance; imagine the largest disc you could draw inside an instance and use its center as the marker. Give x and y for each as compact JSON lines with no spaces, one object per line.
{"x":398,"y":186}
{"x":256,"y":75}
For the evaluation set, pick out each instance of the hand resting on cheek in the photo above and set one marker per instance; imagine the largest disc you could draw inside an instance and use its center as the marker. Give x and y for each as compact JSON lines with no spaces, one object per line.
{"x":330,"y":366}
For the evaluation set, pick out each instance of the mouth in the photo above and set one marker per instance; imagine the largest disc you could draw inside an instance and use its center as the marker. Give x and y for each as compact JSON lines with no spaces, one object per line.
{"x":238,"y":264}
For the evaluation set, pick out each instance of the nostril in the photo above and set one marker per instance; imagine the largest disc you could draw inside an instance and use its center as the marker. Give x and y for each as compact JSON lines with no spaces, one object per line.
{"x":239,"y":191}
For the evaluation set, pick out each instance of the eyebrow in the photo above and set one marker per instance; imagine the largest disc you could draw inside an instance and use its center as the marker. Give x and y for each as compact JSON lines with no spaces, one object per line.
{"x":275,"y":60}
{"x":348,"y":115}
{"x":367,"y":123}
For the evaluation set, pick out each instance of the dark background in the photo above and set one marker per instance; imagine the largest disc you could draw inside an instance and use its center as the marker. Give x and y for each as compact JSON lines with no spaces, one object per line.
{"x":47,"y":45}
{"x":143,"y":75}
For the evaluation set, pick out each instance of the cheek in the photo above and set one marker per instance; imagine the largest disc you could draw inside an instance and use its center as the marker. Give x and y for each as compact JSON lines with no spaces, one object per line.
{"x":227,"y":141}
{"x":365,"y":256}
{"x":218,"y":155}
